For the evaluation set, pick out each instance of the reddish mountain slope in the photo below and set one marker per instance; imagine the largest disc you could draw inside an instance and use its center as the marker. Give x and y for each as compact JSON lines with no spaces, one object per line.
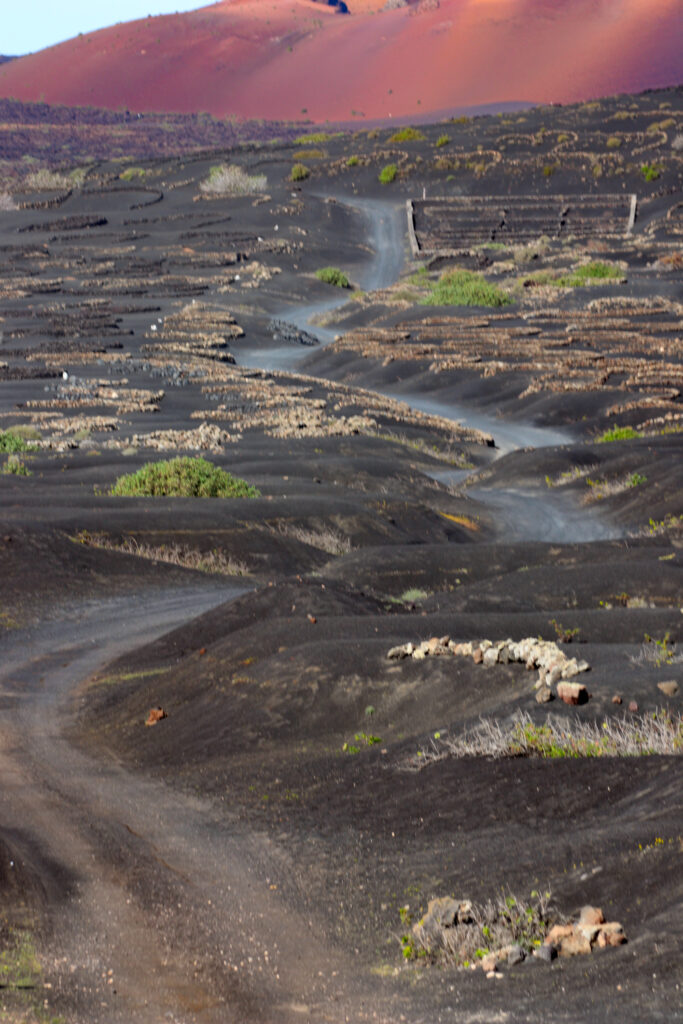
{"x":277,"y":58}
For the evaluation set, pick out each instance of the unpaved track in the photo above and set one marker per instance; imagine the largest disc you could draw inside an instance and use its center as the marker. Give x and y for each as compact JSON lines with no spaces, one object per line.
{"x":163,"y":907}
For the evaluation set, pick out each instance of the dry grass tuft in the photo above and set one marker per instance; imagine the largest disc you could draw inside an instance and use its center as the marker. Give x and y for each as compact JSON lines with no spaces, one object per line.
{"x":214,"y":561}
{"x":638,"y":735}
{"x":230,"y":180}
{"x":324,"y":539}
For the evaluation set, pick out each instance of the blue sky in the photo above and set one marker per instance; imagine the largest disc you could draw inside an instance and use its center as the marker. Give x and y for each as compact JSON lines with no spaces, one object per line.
{"x":35,"y":24}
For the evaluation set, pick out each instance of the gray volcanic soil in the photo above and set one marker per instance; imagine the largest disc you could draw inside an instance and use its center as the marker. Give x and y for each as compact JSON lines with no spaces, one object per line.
{"x":233,"y":863}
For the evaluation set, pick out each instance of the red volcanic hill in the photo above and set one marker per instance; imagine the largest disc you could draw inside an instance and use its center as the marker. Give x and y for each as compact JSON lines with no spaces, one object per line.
{"x":284,"y":58}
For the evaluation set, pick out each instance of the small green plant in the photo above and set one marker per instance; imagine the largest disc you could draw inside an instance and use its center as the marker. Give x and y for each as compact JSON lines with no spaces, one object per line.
{"x":334,"y":276}
{"x":614,"y":142}
{"x":664,"y":650}
{"x":650,"y":172}
{"x":464,"y":288}
{"x":131,"y":173}
{"x":316,"y":138}
{"x":549,"y":170}
{"x":353,"y":161}
{"x":187,"y":477}
{"x":388,"y":174}
{"x":442,"y":140}
{"x":564,"y":635}
{"x":11,"y":441}
{"x":407,"y":135}
{"x":636,"y":479}
{"x":363,"y":738}
{"x":617,"y":433}
{"x":14,"y":466}
{"x":299,"y":172}
{"x":589,"y":273}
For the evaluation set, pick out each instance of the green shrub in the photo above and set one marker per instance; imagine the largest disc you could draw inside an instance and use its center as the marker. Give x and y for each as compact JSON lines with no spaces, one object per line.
{"x":442,"y":140}
{"x":132,"y":172}
{"x":14,"y":466}
{"x":650,"y":171}
{"x":352,"y":161}
{"x":549,"y":170}
{"x":188,"y":477}
{"x":617,"y":433}
{"x":464,"y":288}
{"x":12,"y":442}
{"x":407,"y":135}
{"x":316,"y":138}
{"x":388,"y":173}
{"x":299,"y":172}
{"x":332,"y":275}
{"x":588,"y":274}
{"x":614,"y":142}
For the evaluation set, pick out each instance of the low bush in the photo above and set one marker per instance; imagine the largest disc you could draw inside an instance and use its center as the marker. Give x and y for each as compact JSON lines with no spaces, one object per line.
{"x":388,"y":174}
{"x":650,"y":172}
{"x":442,"y":140}
{"x":617,"y":433}
{"x":407,"y":135}
{"x":352,"y":161}
{"x":131,"y":173}
{"x":188,"y":477}
{"x":464,"y":288}
{"x":316,"y":138}
{"x":332,"y":275}
{"x":589,"y":273}
{"x":231,"y":180}
{"x":614,"y":142}
{"x":11,"y":441}
{"x":299,"y":172}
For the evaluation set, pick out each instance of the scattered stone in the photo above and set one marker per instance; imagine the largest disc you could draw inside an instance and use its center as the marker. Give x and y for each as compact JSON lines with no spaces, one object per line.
{"x":544,"y":695}
{"x":516,"y":955}
{"x":616,"y":699}
{"x":402,"y":651}
{"x":573,"y":693}
{"x":312,"y":619}
{"x":633,"y":706}
{"x":546,"y":952}
{"x":477,"y":655}
{"x":155,"y":715}
{"x":669,"y":688}
{"x":490,"y":657}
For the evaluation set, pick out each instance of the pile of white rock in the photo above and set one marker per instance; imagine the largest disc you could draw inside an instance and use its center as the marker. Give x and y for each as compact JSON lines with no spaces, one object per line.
{"x":554,"y":667}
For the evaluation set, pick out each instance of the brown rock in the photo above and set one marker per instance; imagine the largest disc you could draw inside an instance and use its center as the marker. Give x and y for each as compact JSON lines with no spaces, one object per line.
{"x":544,"y":694}
{"x":616,"y":699}
{"x":573,"y":693}
{"x":576,"y":944}
{"x":591,"y":916}
{"x":155,"y":715}
{"x":312,"y":619}
{"x":477,"y":655}
{"x":633,"y":705}
{"x":611,"y":934}
{"x":669,"y":688}
{"x":557,"y":933}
